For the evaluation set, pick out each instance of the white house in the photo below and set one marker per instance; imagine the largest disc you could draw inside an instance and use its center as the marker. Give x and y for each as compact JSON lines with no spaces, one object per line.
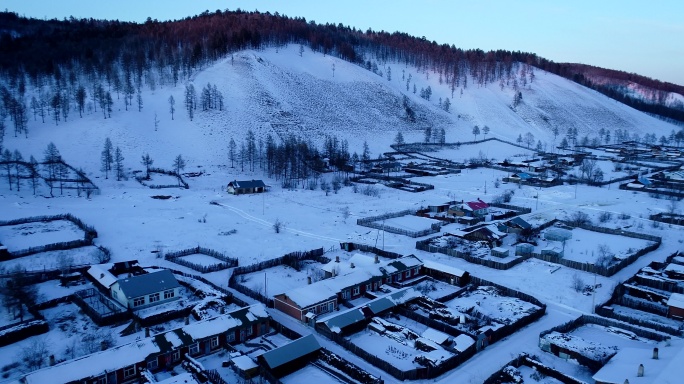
{"x":146,"y":290}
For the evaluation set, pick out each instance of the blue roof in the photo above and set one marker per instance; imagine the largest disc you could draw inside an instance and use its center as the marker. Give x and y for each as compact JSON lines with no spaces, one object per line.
{"x":142,"y":285}
{"x":292,"y":351}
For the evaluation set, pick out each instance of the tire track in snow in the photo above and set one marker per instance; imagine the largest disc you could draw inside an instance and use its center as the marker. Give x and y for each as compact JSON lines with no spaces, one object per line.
{"x":265,"y":223}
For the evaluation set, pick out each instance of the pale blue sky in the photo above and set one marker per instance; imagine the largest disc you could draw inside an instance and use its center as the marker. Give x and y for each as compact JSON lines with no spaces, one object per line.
{"x":645,"y":36}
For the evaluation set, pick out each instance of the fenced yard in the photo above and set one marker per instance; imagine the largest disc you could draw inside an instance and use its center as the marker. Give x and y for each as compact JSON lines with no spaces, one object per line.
{"x":101,"y":309}
{"x":403,"y":223}
{"x":30,"y":235}
{"x":201,"y":259}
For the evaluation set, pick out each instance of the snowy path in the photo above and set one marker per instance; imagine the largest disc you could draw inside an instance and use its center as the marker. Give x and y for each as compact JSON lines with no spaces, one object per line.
{"x":265,"y":223}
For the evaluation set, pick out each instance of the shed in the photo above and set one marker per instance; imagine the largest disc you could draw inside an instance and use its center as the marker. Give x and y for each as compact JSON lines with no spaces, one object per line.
{"x":524,"y":249}
{"x":552,"y":251}
{"x":291,"y":357}
{"x":557,"y":234}
{"x":245,"y":366}
{"x":500,"y":252}
{"x":675,"y":305}
{"x":463,"y":342}
{"x":438,"y":337}
{"x":101,"y":276}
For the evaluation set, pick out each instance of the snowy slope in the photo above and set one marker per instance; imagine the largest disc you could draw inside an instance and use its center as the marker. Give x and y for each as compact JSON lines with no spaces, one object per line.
{"x":276,"y":91}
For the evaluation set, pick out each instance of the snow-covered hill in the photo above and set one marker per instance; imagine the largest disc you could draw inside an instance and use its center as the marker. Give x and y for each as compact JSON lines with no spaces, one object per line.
{"x":278,"y":91}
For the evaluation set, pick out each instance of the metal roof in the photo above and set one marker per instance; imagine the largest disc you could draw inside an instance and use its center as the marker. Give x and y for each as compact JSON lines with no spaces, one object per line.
{"x":247,"y":184}
{"x":142,"y":285}
{"x":292,"y":351}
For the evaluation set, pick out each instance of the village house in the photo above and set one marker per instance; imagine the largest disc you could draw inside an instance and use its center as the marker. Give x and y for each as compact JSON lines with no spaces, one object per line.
{"x":145,"y":290}
{"x":489,"y":233}
{"x":236,"y":187}
{"x":125,"y":363}
{"x":346,"y":281}
{"x":471,"y":208}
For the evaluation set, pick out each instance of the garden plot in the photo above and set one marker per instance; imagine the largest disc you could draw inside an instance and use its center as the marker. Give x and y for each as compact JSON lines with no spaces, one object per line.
{"x":589,"y":246}
{"x":23,"y":236}
{"x":435,"y":289}
{"x":56,"y":259}
{"x":646,"y":316}
{"x":397,"y":341}
{"x":281,"y":278}
{"x":612,"y":337}
{"x":487,"y":302}
{"x":201,"y":260}
{"x":410,"y":223}
{"x":492,"y":150}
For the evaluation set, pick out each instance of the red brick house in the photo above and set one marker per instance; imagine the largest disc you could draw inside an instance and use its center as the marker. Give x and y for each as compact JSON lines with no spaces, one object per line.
{"x":676,"y":306}
{"x":125,"y":363}
{"x":346,"y":281}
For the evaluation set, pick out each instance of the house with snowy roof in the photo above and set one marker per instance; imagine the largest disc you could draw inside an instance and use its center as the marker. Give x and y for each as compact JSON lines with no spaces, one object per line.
{"x":125,"y":363}
{"x":291,"y":357}
{"x":145,"y":290}
{"x":489,"y":233}
{"x":346,"y":281}
{"x":236,"y":187}
{"x":477,"y":208}
{"x":662,"y":364}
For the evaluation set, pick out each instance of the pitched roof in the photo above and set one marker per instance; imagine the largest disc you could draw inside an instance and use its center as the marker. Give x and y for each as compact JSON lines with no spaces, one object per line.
{"x":247,"y":184}
{"x":102,"y":275}
{"x":676,"y":300}
{"x":142,"y":285}
{"x":292,"y":351}
{"x":477,"y":205}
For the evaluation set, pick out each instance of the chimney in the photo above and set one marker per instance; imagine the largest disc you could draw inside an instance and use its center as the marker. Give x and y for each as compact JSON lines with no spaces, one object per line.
{"x":377,"y":259}
{"x":352,"y":265}
{"x":147,"y":332}
{"x":337,"y":259}
{"x":655,"y":353}
{"x":308,"y":279}
{"x":52,"y":360}
{"x":640,"y":372}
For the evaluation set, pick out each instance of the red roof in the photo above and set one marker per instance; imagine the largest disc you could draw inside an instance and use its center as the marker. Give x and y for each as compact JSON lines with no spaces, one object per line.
{"x":477,"y":205}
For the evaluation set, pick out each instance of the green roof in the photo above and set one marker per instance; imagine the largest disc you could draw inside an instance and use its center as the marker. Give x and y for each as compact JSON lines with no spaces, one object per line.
{"x":292,"y":351}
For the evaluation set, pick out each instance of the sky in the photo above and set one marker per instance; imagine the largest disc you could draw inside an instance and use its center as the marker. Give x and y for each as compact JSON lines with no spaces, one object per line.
{"x":641,"y":36}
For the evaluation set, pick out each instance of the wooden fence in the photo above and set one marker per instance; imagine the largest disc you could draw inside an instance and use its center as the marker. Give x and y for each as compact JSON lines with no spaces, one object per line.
{"x":89,"y":233}
{"x":181,"y":182}
{"x":293,"y":259}
{"x":424,"y":245}
{"x":376,"y":222}
{"x":110,"y":313}
{"x":176,"y":257}
{"x":367,"y":248}
{"x":501,"y":377}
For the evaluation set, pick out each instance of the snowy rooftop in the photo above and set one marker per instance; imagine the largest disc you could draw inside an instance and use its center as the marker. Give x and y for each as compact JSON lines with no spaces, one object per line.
{"x":244,"y":363}
{"x":102,"y":275}
{"x":183,"y":378}
{"x":364,"y":269}
{"x":624,"y":365}
{"x":434,"y":335}
{"x":675,"y":268}
{"x":148,"y":283}
{"x":676,"y":300}
{"x":444,"y":268}
{"x":462,"y":342}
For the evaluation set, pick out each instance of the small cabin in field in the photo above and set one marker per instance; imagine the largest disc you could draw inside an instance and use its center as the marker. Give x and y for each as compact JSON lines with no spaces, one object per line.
{"x":236,"y":187}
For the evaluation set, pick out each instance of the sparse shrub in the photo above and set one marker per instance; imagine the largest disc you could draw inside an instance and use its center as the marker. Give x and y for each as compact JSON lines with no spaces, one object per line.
{"x":370,"y":190}
{"x":624,"y":216}
{"x":577,"y":283}
{"x":277,"y":226}
{"x":497,"y":183}
{"x":605,"y":216}
{"x":580,"y":218}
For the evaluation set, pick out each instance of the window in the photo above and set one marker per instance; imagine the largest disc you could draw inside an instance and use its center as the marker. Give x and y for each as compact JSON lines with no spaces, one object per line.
{"x":408,"y":274}
{"x":101,"y":380}
{"x":169,"y":294}
{"x":138,"y":301}
{"x":152,"y":364}
{"x":230,"y":336}
{"x":115,"y":294}
{"x":415,"y":271}
{"x":368,"y":287}
{"x":345,"y":294}
{"x":331,"y":306}
{"x":214,"y":342}
{"x":176,"y":355}
{"x":129,"y":371}
{"x":154,"y":297}
{"x":194,"y":349}
{"x":356,"y":290}
{"x":249,"y":331}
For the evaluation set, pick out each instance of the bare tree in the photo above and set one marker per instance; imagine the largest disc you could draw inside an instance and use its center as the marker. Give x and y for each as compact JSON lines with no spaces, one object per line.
{"x":277,"y":226}
{"x":147,"y":163}
{"x":35,"y":354}
{"x":172,"y":105}
{"x":577,"y":283}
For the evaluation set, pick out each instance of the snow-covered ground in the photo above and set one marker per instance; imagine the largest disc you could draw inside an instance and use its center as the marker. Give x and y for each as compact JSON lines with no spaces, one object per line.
{"x":279,"y":92}
{"x":23,"y":236}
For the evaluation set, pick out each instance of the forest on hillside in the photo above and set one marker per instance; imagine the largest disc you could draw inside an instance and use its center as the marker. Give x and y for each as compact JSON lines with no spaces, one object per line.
{"x":86,"y":56}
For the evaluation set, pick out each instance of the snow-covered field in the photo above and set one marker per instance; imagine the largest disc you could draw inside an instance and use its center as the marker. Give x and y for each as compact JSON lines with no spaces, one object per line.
{"x":55,"y":259}
{"x":23,"y":236}
{"x":279,"y":92}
